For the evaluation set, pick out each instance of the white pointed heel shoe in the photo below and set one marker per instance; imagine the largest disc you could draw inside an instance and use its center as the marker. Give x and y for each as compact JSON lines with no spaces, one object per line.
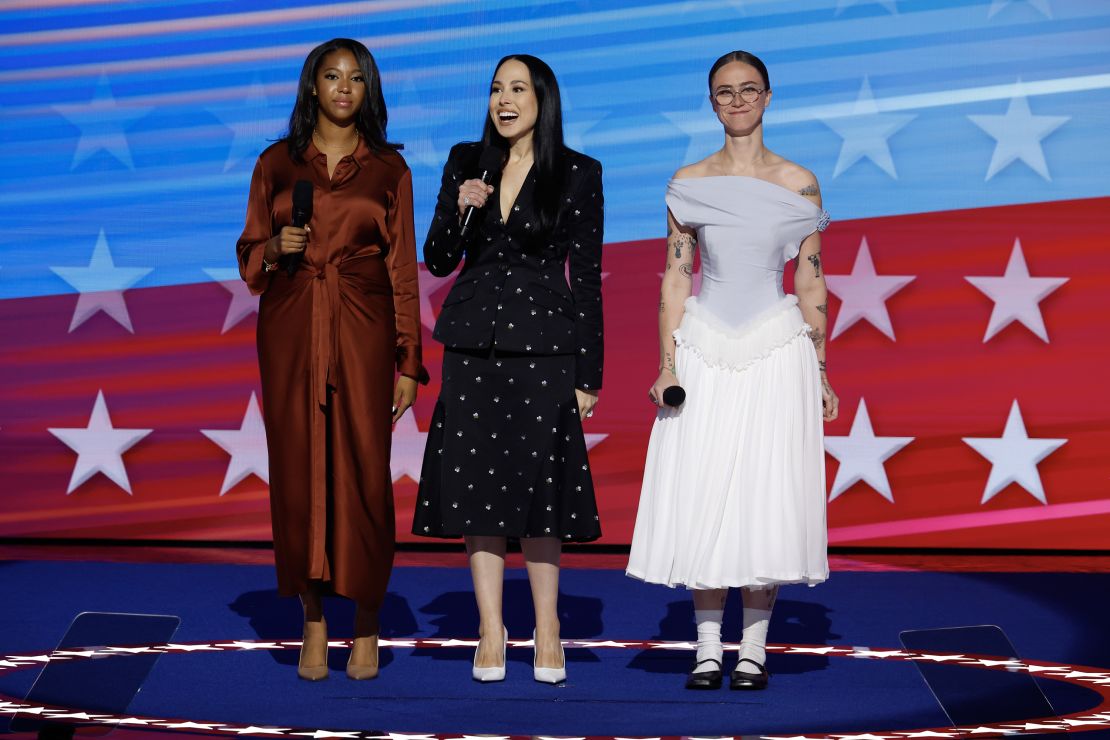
{"x":548,"y":675}
{"x":493,"y":673}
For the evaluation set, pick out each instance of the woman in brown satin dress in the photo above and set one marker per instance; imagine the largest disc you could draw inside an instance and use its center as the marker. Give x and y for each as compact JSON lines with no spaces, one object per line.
{"x":339,"y":313}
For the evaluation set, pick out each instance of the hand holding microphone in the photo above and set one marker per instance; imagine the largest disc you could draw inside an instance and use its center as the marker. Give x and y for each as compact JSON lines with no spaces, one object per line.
{"x":666,"y":391}
{"x":474,"y":193}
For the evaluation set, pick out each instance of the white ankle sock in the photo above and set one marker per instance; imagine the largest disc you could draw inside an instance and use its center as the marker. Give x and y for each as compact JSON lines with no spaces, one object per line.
{"x":758,"y":604}
{"x":709,"y":638}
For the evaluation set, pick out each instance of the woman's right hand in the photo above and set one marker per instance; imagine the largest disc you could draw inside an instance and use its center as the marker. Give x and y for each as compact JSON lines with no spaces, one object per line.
{"x":291,"y":240}
{"x":665,"y":380}
{"x":473,"y":192}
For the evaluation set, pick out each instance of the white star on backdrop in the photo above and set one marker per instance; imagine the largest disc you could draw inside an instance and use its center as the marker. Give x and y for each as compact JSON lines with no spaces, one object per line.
{"x":99,"y":447}
{"x":246,"y":445}
{"x":579,"y":122}
{"x":243,"y":304}
{"x":863,"y":294}
{"x":861,"y":456}
{"x":252,"y":126}
{"x":842,"y":5}
{"x":1042,"y":6}
{"x":1016,"y":295}
{"x":101,"y":285}
{"x":103,"y":123}
{"x":420,"y":146}
{"x":407,"y":455}
{"x":701,"y":126}
{"x":865,"y":132}
{"x":1018,"y":134}
{"x":428,"y":284}
{"x":1014,"y":457}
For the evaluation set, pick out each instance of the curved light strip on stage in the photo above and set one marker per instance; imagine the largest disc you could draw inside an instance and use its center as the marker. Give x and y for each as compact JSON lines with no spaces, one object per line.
{"x":1093,"y":719}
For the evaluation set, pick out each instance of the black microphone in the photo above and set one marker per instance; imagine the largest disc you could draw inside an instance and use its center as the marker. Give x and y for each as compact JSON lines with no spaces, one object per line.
{"x":302,"y":214}
{"x":489,"y":166}
{"x":674,"y":396}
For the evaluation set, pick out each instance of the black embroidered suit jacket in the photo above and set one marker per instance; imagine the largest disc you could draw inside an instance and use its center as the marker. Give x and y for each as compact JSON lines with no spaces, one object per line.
{"x":513,"y":293}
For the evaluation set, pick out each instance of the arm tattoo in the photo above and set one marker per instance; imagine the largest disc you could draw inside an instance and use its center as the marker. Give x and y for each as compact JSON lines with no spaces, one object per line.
{"x":821,"y":365}
{"x":815,"y":260}
{"x":817,"y":337}
{"x":662,"y":306}
{"x":810,"y":189}
{"x":678,"y":240}
{"x":687,"y":269}
{"x":668,"y":362}
{"x":823,"y":308}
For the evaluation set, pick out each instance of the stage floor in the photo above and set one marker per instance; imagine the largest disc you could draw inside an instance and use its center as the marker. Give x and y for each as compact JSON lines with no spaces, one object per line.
{"x":838,"y":667}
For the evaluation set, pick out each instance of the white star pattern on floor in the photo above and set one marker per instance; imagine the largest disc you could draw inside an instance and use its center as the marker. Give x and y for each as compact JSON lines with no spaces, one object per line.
{"x":861,"y":456}
{"x":99,"y":447}
{"x":1018,"y":135}
{"x":863,"y":294}
{"x":246,"y":445}
{"x":1014,"y":457}
{"x":103,"y":123}
{"x":101,"y":285}
{"x":1016,"y":295}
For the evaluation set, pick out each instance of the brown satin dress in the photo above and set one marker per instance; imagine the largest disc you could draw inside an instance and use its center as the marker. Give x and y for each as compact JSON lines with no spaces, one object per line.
{"x":329,"y":340}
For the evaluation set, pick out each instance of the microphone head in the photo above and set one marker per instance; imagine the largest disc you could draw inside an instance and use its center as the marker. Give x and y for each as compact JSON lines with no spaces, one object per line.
{"x":302,"y":198}
{"x":491,"y":160}
{"x":675,"y":395}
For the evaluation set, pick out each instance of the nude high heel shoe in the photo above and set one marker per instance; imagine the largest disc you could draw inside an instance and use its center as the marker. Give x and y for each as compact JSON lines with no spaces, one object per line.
{"x":548,"y":675}
{"x":363,"y":671}
{"x":312,"y":672}
{"x":493,"y":673}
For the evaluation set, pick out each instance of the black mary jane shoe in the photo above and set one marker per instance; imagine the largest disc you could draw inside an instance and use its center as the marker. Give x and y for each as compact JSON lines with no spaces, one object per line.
{"x":704,"y":680}
{"x":744,"y":681}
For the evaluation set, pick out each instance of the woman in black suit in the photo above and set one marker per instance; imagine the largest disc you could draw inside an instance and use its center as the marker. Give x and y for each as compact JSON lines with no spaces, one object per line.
{"x":506,"y":456}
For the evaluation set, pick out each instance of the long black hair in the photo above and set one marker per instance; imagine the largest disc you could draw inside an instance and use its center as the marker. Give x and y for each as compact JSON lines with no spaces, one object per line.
{"x":547,"y":137}
{"x":744,"y":57}
{"x":370,"y":119}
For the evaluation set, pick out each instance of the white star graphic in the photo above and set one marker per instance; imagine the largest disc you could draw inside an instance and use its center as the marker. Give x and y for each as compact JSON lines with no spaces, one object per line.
{"x":190,"y":725}
{"x":319,"y":734}
{"x":103,"y":123}
{"x":1042,"y":7}
{"x":815,"y":650}
{"x":243,"y":304}
{"x":842,"y":5}
{"x":701,"y":126}
{"x":863,"y":294}
{"x":1016,"y":295}
{"x":865,"y":132}
{"x":189,"y":648}
{"x":245,"y":645}
{"x":253,"y":730}
{"x":407,"y":455}
{"x":578,"y":123}
{"x":101,"y":286}
{"x":927,"y":733}
{"x":861,"y":456}
{"x":246,"y":445}
{"x":429,"y":284}
{"x":593,"y":440}
{"x":252,"y":127}
{"x":938,"y":658}
{"x":99,"y":447}
{"x":1018,"y":134}
{"x":1014,"y":457}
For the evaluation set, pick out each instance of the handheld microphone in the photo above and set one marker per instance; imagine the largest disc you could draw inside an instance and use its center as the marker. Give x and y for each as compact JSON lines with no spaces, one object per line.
{"x":674,"y":396}
{"x":490,"y":163}
{"x":302,"y":214}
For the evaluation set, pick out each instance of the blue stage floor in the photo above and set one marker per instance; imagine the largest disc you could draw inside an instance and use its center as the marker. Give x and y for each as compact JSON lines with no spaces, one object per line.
{"x":615,"y":691}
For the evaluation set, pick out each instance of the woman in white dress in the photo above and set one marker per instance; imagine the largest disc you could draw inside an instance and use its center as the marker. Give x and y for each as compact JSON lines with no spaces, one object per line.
{"x":734,"y":484}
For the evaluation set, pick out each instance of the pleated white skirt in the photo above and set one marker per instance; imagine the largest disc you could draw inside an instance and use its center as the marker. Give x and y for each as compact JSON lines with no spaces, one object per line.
{"x":734,"y":483}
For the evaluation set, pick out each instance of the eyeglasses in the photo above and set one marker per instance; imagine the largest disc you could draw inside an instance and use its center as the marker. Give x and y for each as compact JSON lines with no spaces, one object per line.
{"x":726,"y":96}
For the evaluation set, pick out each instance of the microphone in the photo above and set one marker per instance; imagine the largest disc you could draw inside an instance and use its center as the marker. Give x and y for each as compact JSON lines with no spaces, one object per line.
{"x":674,"y":396}
{"x":302,"y":214}
{"x":490,"y":163}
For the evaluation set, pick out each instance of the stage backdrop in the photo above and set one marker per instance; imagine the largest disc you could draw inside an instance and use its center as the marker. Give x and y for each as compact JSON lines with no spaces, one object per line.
{"x":962,"y":146}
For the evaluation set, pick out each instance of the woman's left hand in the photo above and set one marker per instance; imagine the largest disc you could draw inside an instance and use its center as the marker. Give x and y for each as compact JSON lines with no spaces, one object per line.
{"x":404,"y":395}
{"x":829,"y":399}
{"x":586,"y":402}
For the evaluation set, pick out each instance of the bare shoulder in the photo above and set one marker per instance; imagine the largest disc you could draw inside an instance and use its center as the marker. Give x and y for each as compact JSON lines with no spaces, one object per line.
{"x":797,"y":178}
{"x":697,"y":169}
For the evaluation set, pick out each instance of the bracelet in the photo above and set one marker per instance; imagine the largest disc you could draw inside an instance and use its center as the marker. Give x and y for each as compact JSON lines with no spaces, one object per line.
{"x":268,"y":266}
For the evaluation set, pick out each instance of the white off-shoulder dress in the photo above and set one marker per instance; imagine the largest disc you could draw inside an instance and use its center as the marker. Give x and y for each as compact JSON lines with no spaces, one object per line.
{"x":734,"y":483}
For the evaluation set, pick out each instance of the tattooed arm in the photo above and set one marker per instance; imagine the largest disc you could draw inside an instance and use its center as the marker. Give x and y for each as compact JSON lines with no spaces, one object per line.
{"x":676,"y":287}
{"x":809,"y":286}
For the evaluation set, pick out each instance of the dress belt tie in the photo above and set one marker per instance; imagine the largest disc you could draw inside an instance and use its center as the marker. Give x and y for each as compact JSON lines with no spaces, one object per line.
{"x":325,"y":332}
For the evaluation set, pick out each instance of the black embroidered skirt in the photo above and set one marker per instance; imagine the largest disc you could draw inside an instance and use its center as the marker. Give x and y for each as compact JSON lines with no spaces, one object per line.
{"x":506,"y":455}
